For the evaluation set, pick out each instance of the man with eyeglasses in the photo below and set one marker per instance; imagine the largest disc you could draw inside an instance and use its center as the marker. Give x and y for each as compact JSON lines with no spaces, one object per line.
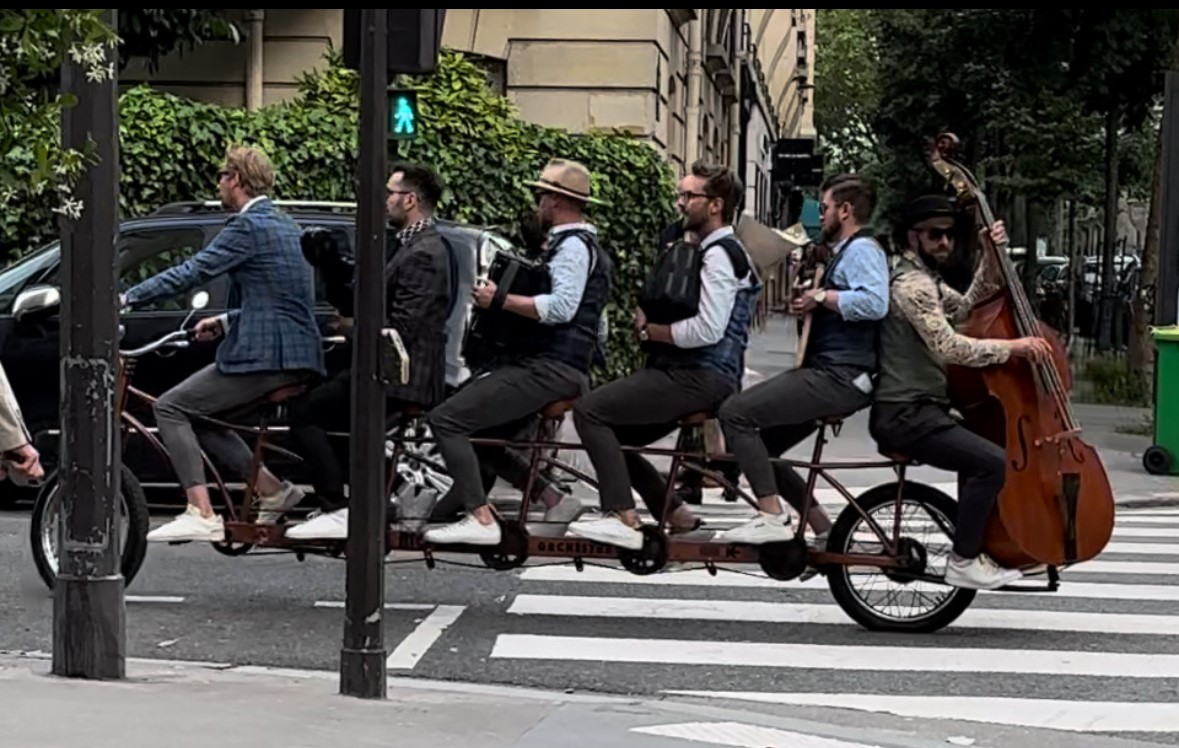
{"x":834,"y":380}
{"x":911,"y":410}
{"x":692,"y":365}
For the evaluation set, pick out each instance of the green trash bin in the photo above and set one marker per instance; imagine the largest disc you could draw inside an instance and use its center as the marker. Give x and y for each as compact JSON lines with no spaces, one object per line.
{"x":1163,"y":457}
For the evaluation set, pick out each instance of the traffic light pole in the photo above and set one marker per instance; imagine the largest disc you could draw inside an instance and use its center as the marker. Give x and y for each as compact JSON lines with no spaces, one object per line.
{"x":363,"y":657}
{"x":89,"y":621}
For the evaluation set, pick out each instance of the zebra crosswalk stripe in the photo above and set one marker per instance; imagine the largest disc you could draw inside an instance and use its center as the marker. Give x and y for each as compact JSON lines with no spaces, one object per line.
{"x":1109,"y":632}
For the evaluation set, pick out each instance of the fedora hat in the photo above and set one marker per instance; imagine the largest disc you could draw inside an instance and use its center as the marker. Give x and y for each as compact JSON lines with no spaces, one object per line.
{"x":567,"y":178}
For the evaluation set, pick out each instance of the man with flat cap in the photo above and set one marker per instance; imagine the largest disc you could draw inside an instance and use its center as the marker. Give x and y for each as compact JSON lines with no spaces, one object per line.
{"x":910,"y":414}
{"x":550,"y":365}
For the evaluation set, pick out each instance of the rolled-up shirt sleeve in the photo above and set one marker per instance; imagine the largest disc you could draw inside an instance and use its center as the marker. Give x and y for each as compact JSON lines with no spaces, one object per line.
{"x":569,"y":268}
{"x":865,"y":273}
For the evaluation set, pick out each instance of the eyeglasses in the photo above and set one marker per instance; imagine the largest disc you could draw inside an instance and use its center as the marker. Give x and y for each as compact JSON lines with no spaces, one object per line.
{"x":686,"y":196}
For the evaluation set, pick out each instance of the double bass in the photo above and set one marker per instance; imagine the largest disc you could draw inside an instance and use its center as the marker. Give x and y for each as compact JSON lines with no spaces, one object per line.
{"x":1056,"y":506}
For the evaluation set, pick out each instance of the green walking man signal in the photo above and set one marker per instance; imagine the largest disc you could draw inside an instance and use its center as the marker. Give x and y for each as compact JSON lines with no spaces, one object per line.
{"x":403,"y":114}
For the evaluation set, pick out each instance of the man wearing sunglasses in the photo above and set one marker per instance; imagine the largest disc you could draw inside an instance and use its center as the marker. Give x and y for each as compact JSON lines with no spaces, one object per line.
{"x":911,"y":410}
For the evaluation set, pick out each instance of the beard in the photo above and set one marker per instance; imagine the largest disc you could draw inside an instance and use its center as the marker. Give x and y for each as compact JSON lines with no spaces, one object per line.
{"x":830,"y":234}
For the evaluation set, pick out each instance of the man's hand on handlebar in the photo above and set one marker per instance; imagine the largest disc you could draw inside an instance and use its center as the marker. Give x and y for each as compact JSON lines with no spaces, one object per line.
{"x":208,"y":329}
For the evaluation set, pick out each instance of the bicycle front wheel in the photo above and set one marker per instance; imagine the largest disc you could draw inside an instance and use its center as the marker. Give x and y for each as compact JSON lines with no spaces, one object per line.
{"x":133,"y":519}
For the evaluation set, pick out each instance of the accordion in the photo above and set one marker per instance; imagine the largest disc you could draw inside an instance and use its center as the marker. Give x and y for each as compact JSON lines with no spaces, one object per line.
{"x":493,"y":332}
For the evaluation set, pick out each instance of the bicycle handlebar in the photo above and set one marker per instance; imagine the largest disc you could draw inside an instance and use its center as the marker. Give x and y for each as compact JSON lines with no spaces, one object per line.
{"x":181,"y":338}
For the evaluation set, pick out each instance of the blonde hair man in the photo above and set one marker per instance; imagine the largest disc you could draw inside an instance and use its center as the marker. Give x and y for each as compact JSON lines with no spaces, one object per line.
{"x":271,"y":341}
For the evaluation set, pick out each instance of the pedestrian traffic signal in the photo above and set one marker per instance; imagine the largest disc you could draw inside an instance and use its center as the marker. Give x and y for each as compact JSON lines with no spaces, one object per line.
{"x":403,"y":114}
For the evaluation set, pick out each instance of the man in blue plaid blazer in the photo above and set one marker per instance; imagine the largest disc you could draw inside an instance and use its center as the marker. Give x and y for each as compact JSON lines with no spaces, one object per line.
{"x":271,"y":341}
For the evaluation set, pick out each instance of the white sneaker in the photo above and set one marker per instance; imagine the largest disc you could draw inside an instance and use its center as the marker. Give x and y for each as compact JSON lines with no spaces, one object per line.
{"x":190,"y":526}
{"x":270,"y":508}
{"x":323,"y":526}
{"x":469,"y":530}
{"x":610,"y":530}
{"x":978,"y":573}
{"x":764,"y":528}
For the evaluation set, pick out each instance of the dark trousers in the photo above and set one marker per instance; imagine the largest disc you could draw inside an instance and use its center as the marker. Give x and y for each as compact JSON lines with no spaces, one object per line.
{"x":636,"y":411}
{"x":327,"y":408}
{"x":501,"y":398}
{"x":927,"y":434}
{"x":774,"y":415}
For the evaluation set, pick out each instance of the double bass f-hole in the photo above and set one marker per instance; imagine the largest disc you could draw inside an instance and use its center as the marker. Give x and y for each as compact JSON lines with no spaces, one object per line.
{"x":1021,"y":463}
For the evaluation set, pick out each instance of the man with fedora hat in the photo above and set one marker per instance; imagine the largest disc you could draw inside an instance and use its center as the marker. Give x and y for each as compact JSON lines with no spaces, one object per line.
{"x":550,"y":365}
{"x":917,"y":341}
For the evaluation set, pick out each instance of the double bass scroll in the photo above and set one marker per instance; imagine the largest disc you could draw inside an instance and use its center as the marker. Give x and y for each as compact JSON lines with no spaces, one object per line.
{"x":1056,"y":506}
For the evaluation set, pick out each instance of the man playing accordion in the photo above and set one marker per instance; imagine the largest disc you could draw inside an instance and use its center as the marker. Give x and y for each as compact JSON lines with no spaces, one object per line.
{"x":550,"y":364}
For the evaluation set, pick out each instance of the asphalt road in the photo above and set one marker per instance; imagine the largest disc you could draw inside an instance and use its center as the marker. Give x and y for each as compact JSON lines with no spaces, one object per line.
{"x":1109,"y":635}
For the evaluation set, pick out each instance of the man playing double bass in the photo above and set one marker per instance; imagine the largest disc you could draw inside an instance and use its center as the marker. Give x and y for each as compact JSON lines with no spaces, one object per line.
{"x":911,"y":410}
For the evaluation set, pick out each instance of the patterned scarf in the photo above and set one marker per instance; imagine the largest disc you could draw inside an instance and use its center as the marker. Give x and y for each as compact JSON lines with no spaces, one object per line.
{"x":408,"y":232}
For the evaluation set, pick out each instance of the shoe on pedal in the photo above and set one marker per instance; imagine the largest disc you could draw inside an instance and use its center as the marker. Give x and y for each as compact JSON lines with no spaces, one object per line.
{"x":764,"y":528}
{"x":979,"y":573}
{"x":190,"y":526}
{"x":609,"y":530}
{"x":467,"y":531}
{"x":322,"y":526}
{"x":270,"y":508}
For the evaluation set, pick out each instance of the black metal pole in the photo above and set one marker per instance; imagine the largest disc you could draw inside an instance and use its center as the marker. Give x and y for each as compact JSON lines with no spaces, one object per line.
{"x":362,"y":660}
{"x":1166,"y":310}
{"x":89,"y":621}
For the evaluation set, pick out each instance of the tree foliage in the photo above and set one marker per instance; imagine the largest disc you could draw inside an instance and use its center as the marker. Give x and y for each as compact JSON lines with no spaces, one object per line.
{"x":847,"y":91}
{"x":172,"y":147}
{"x":152,"y":34}
{"x":33,"y":45}
{"x":1025,"y":89}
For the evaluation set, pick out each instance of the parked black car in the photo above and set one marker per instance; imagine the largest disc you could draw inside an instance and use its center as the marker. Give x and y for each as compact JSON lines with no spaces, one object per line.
{"x":30,"y":346}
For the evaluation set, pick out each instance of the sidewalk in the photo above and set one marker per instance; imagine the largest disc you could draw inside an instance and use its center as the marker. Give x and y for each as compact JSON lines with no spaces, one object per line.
{"x":189,"y":706}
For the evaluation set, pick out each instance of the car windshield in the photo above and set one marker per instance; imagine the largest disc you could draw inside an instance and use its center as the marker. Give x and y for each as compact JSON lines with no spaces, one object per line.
{"x":14,"y":278}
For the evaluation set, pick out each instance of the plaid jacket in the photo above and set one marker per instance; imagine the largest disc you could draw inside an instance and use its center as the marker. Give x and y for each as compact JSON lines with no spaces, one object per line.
{"x":417,"y":292}
{"x":272,"y":324}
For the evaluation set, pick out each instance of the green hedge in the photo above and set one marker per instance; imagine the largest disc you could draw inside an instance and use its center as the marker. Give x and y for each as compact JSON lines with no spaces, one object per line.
{"x":172,"y":147}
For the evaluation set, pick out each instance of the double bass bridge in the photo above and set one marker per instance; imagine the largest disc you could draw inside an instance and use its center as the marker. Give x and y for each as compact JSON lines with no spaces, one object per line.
{"x":1058,"y":438}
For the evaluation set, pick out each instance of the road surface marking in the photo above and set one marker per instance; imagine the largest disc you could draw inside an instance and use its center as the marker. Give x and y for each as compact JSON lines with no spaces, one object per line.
{"x":388,"y":606}
{"x":734,"y":611}
{"x":833,"y":657}
{"x":153,"y":599}
{"x":1075,"y":716}
{"x":740,"y":735}
{"x":414,"y":647}
{"x":700,"y":577}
